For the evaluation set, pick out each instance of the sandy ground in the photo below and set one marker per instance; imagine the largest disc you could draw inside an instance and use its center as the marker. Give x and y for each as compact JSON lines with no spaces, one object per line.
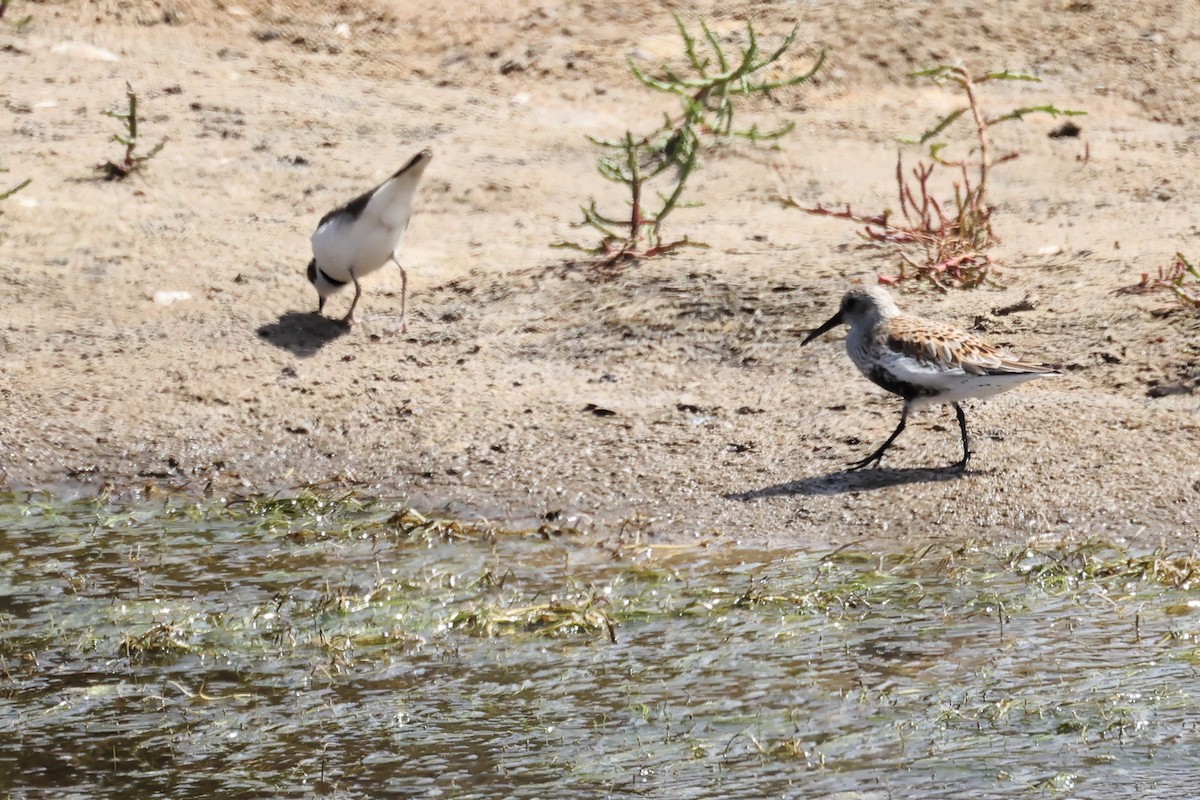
{"x":720,"y":423}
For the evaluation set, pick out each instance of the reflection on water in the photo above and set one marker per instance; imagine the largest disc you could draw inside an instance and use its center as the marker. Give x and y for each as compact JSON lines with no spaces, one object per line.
{"x":177,"y":650}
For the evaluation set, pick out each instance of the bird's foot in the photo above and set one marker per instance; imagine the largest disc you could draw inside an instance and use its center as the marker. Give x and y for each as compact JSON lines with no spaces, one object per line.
{"x":348,"y":320}
{"x":875,"y":458}
{"x":961,"y":464}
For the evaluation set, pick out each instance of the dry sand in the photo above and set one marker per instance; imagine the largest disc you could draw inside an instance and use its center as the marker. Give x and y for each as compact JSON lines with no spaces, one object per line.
{"x":720,"y":423}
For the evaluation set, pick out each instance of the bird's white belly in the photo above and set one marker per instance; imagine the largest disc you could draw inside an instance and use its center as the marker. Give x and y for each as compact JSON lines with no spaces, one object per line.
{"x":340,"y":248}
{"x":930,"y":383}
{"x":956,"y":386}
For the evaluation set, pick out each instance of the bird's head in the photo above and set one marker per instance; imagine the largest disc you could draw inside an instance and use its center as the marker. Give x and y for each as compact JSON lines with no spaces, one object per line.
{"x":321,"y":284}
{"x":859,"y":307}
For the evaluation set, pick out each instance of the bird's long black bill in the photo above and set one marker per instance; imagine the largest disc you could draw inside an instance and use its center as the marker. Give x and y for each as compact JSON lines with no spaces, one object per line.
{"x":832,"y":323}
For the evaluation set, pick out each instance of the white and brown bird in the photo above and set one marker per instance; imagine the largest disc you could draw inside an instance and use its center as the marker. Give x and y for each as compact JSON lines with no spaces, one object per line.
{"x":356,"y":239}
{"x":925,"y":362}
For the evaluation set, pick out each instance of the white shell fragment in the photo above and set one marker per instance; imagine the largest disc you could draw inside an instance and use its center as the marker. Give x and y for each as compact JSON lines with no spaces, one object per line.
{"x":81,"y":50}
{"x":165,"y":298}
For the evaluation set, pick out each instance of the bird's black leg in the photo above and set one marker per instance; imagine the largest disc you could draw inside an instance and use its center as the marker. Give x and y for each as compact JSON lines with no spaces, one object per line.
{"x":966,"y":440}
{"x":349,"y":318}
{"x":877,"y":456}
{"x":403,"y":296}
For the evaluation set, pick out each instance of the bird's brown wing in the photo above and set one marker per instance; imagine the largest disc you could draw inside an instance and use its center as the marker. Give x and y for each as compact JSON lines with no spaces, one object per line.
{"x":946,"y":346}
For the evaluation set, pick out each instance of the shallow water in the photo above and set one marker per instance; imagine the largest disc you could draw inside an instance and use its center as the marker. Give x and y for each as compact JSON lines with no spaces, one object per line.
{"x":315,"y":647}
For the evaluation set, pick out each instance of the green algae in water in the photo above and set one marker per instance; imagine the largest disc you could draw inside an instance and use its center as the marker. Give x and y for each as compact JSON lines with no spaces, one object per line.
{"x":352,"y":647}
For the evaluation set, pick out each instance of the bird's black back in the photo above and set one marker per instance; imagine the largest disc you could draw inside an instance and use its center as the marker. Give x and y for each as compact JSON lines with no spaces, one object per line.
{"x":354,"y":209}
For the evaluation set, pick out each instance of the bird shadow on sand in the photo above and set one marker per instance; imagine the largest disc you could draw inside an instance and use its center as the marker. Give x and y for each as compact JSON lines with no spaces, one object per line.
{"x":845,"y":481}
{"x":302,"y":334}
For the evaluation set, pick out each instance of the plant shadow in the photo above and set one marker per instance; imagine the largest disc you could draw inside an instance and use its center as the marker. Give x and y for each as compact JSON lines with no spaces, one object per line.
{"x":302,"y":333}
{"x":845,"y":481}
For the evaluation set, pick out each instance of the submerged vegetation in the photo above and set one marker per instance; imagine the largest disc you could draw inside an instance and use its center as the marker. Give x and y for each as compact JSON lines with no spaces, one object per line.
{"x":341,"y":644}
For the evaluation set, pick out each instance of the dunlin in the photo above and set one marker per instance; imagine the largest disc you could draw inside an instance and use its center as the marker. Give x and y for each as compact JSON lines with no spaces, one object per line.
{"x":925,"y":362}
{"x":358,"y":238}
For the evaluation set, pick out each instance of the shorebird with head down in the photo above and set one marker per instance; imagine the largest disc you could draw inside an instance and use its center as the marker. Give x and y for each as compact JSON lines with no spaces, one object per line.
{"x":361,"y":236}
{"x":925,"y":362}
